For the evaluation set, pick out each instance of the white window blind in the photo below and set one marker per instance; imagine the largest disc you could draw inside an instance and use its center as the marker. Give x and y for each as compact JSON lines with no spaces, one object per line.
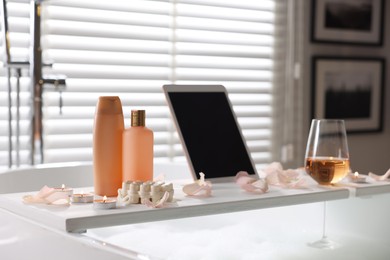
{"x":132,"y":48}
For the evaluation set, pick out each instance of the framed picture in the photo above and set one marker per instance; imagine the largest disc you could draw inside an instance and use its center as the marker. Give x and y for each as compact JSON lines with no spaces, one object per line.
{"x":348,"y":21}
{"x":349,"y":88}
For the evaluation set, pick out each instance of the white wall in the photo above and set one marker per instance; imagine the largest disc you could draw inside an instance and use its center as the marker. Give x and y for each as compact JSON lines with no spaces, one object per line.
{"x":368,"y":151}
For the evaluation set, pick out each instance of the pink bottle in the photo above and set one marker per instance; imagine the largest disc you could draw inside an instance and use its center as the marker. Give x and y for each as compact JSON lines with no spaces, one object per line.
{"x":107,"y":146}
{"x":137,"y":149}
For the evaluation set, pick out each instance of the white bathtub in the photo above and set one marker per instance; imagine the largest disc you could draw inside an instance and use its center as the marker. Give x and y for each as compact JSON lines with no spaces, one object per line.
{"x":32,"y":178}
{"x":358,"y":225}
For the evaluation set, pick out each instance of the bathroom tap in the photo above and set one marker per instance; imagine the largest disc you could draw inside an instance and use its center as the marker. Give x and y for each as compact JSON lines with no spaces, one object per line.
{"x":15,"y":66}
{"x":38,"y":81}
{"x":34,"y":65}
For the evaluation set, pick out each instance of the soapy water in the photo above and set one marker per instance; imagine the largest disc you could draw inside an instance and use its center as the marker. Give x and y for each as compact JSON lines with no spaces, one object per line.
{"x":189,"y":239}
{"x":278,"y":233}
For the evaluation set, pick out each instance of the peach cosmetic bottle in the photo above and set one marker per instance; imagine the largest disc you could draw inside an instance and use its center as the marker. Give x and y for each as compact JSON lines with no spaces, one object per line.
{"x":137,"y":149}
{"x":107,"y":146}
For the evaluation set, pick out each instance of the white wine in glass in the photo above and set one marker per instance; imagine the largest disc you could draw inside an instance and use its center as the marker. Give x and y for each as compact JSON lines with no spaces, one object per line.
{"x":327,"y":155}
{"x":327,"y":161}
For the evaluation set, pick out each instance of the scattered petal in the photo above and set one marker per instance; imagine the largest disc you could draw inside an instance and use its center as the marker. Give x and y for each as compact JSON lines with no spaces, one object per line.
{"x":290,"y":178}
{"x":200,"y":187}
{"x":379,"y":177}
{"x":250,"y":184}
{"x":48,"y":195}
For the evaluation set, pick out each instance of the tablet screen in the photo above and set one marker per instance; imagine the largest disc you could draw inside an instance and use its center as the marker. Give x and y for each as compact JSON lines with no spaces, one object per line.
{"x":210,"y":133}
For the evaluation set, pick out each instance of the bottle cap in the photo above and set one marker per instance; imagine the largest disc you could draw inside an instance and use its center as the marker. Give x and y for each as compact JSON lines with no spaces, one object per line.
{"x":137,"y":117}
{"x":109,"y":105}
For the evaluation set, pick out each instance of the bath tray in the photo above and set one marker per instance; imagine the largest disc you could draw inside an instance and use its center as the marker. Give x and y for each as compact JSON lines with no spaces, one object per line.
{"x":368,"y":189}
{"x":227,"y":197}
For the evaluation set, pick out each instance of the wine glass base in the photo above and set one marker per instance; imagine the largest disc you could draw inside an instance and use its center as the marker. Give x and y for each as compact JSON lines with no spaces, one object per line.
{"x":324,"y":243}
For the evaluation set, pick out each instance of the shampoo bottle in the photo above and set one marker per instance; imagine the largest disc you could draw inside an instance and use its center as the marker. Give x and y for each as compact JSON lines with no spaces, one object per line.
{"x":138,"y":149}
{"x":107,"y":146}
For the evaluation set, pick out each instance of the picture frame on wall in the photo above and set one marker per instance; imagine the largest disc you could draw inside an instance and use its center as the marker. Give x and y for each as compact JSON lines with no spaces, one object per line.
{"x":358,"y":22}
{"x":349,"y":88}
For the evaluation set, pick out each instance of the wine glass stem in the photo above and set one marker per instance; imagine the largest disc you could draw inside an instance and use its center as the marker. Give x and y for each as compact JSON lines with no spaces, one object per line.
{"x":324,"y":222}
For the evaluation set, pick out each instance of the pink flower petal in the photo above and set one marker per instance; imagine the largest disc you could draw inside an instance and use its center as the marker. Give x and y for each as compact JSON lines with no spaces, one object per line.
{"x":251,"y":184}
{"x":48,"y":195}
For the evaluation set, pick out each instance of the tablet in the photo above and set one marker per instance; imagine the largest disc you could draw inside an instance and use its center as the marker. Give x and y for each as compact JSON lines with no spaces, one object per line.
{"x":207,"y":126}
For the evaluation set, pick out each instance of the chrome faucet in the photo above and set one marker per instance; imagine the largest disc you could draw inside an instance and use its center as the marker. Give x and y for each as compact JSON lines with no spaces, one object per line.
{"x":16,"y":66}
{"x":38,"y":81}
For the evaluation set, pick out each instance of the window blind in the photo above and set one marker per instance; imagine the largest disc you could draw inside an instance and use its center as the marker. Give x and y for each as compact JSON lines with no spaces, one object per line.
{"x":132,"y":48}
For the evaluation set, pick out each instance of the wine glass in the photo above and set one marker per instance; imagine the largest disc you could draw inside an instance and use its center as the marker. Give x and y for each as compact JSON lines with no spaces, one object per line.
{"x":327,"y":161}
